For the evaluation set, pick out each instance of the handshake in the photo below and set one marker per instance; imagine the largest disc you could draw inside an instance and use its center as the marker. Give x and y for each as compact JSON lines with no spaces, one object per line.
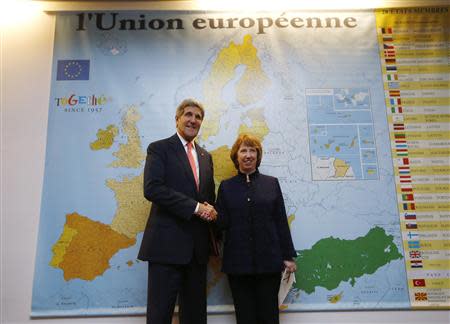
{"x":207,"y":212}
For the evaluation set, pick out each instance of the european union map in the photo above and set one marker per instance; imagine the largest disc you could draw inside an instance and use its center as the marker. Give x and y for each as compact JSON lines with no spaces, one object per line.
{"x":310,"y":85}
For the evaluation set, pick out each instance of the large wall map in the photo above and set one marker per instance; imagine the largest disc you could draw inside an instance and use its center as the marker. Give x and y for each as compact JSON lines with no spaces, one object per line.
{"x":311,"y":85}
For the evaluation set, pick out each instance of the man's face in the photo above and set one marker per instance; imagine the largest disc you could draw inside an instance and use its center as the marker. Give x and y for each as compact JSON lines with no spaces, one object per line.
{"x":188,"y":124}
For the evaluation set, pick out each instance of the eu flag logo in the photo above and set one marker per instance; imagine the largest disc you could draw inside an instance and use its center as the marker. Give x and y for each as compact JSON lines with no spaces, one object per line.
{"x":72,"y":70}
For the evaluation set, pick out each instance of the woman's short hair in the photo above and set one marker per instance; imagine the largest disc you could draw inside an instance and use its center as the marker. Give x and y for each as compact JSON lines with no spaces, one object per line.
{"x":248,"y":140}
{"x":189,"y":103}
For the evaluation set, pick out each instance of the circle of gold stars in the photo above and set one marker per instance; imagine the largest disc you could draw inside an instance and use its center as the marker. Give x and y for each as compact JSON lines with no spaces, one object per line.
{"x":72,"y":66}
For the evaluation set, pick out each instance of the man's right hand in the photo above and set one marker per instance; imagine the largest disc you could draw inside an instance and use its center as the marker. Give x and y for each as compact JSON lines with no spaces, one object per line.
{"x":207,"y":212}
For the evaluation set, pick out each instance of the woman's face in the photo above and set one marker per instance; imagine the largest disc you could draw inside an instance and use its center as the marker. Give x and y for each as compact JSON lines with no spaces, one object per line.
{"x":247,"y":157}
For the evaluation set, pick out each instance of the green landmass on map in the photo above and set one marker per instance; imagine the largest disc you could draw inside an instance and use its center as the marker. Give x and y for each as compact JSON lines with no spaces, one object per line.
{"x":332,"y":261}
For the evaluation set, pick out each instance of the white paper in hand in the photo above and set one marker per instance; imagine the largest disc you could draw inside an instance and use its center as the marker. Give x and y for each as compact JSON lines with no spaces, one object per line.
{"x":287,"y":280}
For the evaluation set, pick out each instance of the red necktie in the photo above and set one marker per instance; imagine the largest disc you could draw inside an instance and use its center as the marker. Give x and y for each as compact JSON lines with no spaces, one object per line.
{"x":192,"y":162}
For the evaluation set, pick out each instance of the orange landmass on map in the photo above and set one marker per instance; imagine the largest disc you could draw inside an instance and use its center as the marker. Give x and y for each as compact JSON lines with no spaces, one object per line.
{"x":89,"y":251}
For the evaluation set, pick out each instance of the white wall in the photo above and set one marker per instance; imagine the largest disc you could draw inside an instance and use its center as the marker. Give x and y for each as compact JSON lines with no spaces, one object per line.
{"x":26,"y":55}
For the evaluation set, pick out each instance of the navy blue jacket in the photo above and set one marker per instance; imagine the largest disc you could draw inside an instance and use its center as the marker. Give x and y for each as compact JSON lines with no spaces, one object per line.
{"x":173,"y":235}
{"x":252,"y":215}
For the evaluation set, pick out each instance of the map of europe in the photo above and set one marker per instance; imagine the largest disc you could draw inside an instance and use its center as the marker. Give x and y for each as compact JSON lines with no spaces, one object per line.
{"x":322,"y":123}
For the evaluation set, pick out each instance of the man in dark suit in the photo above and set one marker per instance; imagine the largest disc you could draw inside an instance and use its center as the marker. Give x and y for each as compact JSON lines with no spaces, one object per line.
{"x":178,"y":180}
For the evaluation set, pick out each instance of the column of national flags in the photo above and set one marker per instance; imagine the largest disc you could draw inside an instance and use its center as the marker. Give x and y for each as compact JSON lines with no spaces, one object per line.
{"x":415,"y":60}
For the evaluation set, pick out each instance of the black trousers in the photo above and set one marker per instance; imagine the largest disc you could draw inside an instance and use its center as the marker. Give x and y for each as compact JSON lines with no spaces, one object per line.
{"x":255,"y":298}
{"x":166,"y":282}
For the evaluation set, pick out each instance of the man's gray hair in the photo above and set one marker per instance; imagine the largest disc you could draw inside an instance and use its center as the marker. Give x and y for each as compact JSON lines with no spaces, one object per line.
{"x":189,"y":103}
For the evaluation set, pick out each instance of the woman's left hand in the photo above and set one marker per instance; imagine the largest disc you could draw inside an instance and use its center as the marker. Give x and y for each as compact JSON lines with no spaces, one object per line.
{"x":290,"y":265}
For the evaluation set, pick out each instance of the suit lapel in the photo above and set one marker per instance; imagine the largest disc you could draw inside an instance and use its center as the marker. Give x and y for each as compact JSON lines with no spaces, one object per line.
{"x":202,"y":164}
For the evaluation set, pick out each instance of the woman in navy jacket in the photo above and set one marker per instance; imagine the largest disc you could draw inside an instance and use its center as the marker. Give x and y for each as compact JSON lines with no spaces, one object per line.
{"x":257,"y":244}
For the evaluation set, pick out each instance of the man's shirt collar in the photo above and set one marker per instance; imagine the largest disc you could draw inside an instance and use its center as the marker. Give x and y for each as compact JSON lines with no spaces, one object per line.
{"x":184,"y":142}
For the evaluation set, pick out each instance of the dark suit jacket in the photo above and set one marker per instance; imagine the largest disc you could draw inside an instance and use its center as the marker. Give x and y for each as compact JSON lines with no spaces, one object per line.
{"x":253,"y":217}
{"x":173,"y":233}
